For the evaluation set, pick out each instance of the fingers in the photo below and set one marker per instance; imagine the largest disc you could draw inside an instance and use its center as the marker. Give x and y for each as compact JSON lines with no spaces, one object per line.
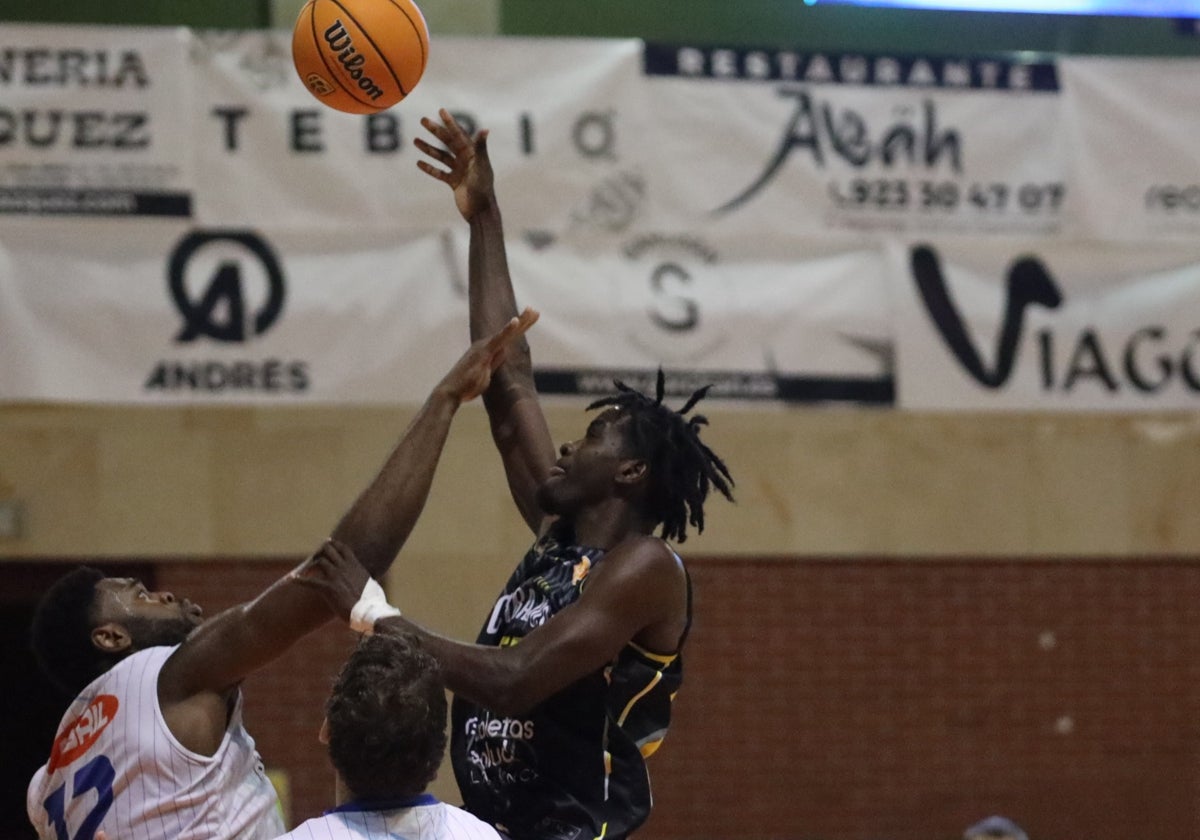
{"x":433,"y":151}
{"x":528,"y":317}
{"x":514,"y":329}
{"x":447,"y":131}
{"x":324,"y":561}
{"x":453,"y":130}
{"x":454,"y":157}
{"x":430,"y":169}
{"x":336,"y":551}
{"x":442,"y":156}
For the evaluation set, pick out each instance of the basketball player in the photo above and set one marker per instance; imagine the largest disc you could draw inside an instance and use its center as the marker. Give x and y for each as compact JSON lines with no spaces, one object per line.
{"x":569,"y":685}
{"x":385,"y":727}
{"x":153,"y":747}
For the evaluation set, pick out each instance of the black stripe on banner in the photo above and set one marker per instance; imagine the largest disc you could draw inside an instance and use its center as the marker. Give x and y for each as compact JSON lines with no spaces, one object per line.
{"x":734,"y":385}
{"x":99,"y":202}
{"x":1003,"y":72}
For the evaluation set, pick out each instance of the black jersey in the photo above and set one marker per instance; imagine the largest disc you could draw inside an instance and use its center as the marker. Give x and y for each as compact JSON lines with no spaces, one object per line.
{"x":573,"y":768}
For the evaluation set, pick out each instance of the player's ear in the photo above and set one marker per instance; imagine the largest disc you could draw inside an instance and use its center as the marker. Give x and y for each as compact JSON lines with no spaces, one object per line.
{"x":323,"y":735}
{"x":632,"y":471}
{"x":111,"y":638}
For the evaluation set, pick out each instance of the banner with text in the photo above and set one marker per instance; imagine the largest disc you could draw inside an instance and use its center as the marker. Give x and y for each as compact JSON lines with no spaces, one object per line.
{"x":1026,"y":325}
{"x":179,"y":217}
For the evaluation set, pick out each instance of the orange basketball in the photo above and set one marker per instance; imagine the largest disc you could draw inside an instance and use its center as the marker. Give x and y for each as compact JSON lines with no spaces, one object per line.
{"x":360,"y":56}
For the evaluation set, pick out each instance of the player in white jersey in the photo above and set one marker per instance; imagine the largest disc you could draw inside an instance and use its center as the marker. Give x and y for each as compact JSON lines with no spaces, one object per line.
{"x":153,"y":746}
{"x":385,"y":726}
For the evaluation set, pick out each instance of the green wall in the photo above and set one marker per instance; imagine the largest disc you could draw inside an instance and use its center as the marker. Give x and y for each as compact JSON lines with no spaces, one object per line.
{"x":764,"y":23}
{"x":224,"y":14}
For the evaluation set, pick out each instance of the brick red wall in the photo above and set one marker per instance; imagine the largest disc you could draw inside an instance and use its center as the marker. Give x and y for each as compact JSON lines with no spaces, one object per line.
{"x":905,"y":700}
{"x":864,"y":700}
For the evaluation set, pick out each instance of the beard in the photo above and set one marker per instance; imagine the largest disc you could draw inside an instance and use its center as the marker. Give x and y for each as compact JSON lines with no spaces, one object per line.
{"x":155,"y":632}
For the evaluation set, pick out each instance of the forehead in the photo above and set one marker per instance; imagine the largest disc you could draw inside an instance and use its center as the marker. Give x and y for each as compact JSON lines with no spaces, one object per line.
{"x":611,"y":417}
{"x":117,"y":585}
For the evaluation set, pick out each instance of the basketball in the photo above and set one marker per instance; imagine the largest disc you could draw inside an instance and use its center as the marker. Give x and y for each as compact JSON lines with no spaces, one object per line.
{"x":360,"y":56}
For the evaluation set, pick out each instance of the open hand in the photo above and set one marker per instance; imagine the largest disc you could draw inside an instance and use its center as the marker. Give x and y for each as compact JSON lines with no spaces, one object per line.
{"x":469,"y":170}
{"x":472,"y":373}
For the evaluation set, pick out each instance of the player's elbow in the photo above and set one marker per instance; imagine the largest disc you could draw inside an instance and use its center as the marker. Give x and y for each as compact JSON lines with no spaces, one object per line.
{"x":514,"y":693}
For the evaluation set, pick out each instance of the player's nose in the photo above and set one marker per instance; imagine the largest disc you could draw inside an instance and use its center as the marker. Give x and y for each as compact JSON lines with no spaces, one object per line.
{"x":166,"y":597}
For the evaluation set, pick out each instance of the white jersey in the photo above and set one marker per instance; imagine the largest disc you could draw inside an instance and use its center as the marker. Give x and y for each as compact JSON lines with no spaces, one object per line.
{"x":422,"y":818}
{"x":115,"y":765}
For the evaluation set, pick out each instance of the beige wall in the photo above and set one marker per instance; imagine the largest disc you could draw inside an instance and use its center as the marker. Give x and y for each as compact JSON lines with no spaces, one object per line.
{"x":243,"y":482}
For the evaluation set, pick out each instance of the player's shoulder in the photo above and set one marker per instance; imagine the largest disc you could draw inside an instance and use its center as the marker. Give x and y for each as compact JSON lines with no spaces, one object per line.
{"x":644,"y":555}
{"x":646,"y":546}
{"x":463,"y":825}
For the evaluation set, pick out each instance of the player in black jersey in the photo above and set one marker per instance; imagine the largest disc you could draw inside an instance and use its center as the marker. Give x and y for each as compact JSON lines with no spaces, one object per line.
{"x":569,"y":685}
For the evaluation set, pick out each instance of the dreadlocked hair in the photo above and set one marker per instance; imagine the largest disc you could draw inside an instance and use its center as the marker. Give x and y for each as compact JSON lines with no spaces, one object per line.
{"x":682,"y":468}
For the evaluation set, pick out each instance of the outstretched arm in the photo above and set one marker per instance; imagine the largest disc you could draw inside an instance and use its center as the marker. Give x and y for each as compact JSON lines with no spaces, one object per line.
{"x":518,"y":424}
{"x":226,"y":648}
{"x":639,"y":593}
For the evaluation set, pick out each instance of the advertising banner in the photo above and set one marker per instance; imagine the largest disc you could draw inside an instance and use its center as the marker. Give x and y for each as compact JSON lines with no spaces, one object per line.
{"x":804,"y":142}
{"x":182,"y":221}
{"x":1026,"y":325}
{"x":87,"y":122}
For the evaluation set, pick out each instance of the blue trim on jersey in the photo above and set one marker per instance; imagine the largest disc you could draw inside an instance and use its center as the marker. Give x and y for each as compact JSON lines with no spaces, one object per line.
{"x":383,"y":804}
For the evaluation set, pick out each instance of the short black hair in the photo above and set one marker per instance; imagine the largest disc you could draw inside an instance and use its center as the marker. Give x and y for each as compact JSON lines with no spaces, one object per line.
{"x":61,"y":634}
{"x":387,"y":718}
{"x":682,"y":468}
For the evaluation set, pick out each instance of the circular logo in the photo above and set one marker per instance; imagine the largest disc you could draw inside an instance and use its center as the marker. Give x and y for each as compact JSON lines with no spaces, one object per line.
{"x":227,"y":284}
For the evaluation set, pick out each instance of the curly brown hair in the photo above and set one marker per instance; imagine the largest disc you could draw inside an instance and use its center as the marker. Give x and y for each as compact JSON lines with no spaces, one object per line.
{"x":387,"y":718}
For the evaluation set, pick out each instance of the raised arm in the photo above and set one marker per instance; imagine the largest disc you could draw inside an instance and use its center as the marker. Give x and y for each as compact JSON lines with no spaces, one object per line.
{"x":518,"y":424}
{"x":229,"y":646}
{"x":639,"y":593}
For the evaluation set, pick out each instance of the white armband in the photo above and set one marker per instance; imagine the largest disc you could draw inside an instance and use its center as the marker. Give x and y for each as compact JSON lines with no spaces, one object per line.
{"x":372,"y":605}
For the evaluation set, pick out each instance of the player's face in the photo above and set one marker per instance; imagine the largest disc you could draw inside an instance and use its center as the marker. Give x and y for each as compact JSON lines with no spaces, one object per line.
{"x":152,"y":618}
{"x":587,"y":469}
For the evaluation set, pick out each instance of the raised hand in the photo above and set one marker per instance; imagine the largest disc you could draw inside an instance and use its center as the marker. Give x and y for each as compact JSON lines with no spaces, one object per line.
{"x":472,"y":373}
{"x":469,"y":170}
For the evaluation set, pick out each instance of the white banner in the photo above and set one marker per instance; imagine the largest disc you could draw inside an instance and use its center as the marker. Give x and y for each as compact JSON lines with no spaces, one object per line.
{"x":806,"y":142}
{"x":1134,"y":125}
{"x":181,"y":218}
{"x":1026,"y":325}
{"x":89,"y":121}
{"x":270,"y":150}
{"x":238,"y":314}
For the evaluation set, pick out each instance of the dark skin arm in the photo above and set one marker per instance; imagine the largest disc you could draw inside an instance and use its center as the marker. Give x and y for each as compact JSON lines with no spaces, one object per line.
{"x":196,"y":684}
{"x":626,"y":597}
{"x":518,"y":424}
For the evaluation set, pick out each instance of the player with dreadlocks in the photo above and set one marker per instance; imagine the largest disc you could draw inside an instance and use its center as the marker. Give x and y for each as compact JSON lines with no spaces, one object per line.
{"x":569,"y":685}
{"x":681,"y":467}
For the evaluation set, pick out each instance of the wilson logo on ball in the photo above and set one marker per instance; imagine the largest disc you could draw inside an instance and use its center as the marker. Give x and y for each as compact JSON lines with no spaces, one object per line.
{"x":360,"y":56}
{"x":341,"y":43}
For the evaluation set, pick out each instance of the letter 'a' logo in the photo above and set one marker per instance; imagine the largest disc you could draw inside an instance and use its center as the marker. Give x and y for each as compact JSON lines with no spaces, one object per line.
{"x":78,"y":736}
{"x":1028,"y":283}
{"x":240,"y":250}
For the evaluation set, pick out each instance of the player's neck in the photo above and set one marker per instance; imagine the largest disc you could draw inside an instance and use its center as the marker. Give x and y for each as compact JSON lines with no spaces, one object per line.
{"x":341,"y":793}
{"x":605,"y":524}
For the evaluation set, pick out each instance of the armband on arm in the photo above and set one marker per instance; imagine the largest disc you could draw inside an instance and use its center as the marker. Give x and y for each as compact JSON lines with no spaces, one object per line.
{"x":372,"y":605}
